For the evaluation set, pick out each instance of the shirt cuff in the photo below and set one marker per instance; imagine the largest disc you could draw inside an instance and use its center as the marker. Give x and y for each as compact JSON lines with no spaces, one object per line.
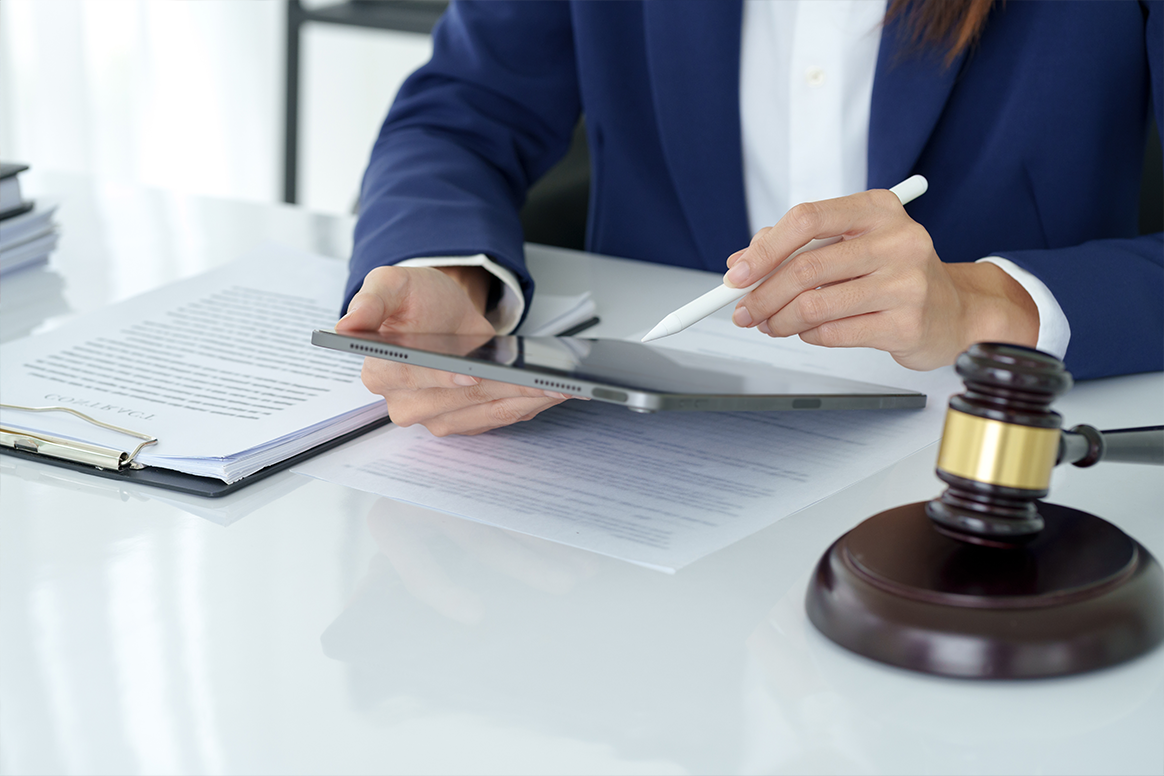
{"x":1054,"y":330}
{"x":507,"y":314}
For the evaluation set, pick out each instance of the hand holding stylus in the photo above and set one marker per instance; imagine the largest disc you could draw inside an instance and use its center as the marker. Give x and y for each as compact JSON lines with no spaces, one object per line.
{"x":698,"y":309}
{"x":857,"y":271}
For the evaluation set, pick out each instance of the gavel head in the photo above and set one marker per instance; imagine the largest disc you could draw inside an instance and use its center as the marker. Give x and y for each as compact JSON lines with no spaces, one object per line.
{"x":1000,"y":443}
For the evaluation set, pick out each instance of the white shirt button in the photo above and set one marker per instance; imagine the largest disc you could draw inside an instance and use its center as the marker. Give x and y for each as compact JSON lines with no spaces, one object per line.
{"x":814,"y":76}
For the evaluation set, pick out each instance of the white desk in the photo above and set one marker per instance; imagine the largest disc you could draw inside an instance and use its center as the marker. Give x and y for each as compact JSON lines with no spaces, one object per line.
{"x":308,"y":635}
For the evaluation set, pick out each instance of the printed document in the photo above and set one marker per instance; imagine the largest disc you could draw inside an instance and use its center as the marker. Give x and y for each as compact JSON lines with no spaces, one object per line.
{"x":219,"y":368}
{"x":658,"y":490}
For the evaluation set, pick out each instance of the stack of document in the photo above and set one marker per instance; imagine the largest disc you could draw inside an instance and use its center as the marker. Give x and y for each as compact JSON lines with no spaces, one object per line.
{"x":218,"y":368}
{"x":27,"y":232}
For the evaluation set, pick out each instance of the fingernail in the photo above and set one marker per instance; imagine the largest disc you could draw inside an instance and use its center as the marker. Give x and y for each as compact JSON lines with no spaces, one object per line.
{"x":738,"y":275}
{"x":555,"y":395}
{"x":731,"y":260}
{"x":465,"y":380}
{"x":763,"y":326}
{"x":741,"y":317}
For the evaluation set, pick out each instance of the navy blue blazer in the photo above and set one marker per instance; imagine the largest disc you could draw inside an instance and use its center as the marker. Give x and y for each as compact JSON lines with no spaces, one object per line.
{"x":1032,"y":143}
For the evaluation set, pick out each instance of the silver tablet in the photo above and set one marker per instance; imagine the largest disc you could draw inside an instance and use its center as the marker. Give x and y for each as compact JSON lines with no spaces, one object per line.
{"x":644,"y":378}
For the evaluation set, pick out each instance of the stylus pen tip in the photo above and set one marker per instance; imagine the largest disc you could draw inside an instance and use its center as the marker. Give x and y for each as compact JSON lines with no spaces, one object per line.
{"x":664,"y":328}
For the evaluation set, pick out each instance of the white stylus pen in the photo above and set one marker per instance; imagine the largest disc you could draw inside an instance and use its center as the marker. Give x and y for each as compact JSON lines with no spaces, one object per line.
{"x":695,"y":311}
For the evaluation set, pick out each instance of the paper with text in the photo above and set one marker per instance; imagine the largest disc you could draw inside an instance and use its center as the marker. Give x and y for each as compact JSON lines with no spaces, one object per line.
{"x":219,"y":367}
{"x":659,"y":490}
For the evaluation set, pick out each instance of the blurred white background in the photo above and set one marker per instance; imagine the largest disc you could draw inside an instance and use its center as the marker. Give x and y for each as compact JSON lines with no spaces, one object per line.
{"x":188,"y":95}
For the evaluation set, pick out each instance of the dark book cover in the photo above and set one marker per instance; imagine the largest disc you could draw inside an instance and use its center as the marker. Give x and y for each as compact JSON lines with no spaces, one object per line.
{"x":14,"y":204}
{"x":8,"y":169}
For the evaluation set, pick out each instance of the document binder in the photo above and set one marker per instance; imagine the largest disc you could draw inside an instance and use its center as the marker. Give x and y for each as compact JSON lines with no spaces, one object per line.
{"x":116,"y":464}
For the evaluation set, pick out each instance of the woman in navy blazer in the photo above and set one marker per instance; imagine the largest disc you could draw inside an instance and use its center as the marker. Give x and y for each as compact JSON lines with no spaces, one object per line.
{"x":1032,"y":141}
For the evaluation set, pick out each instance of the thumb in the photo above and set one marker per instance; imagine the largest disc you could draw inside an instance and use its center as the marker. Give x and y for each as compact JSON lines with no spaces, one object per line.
{"x":365,"y":313}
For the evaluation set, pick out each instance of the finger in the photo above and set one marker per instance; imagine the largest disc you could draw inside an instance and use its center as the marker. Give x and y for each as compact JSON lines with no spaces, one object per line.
{"x":860,"y":331}
{"x":817,"y":306}
{"x":485,"y":417}
{"x":812,"y":269}
{"x":382,"y":376}
{"x":365,"y":313}
{"x":486,"y":392}
{"x":381,"y":295}
{"x":849,"y":216}
{"x":418,"y":397}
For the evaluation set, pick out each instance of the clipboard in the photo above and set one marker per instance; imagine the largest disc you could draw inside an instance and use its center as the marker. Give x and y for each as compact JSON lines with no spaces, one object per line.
{"x":112,"y":463}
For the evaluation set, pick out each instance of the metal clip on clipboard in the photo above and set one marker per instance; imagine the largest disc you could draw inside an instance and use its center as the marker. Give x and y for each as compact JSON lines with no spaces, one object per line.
{"x":70,"y":450}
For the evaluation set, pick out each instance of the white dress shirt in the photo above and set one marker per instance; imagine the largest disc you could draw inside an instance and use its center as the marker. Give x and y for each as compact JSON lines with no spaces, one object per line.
{"x":806,"y":86}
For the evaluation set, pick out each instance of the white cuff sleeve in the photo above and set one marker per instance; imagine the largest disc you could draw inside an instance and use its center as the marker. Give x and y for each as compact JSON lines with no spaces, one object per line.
{"x":510,"y":307}
{"x":1054,"y":331}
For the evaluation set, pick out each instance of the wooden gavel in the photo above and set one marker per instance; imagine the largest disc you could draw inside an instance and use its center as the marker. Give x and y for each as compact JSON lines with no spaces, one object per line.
{"x":1001,"y":441}
{"x":988,"y":580}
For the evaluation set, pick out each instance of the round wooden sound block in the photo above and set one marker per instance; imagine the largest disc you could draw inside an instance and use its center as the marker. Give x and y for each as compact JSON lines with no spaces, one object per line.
{"x":1080,"y":595}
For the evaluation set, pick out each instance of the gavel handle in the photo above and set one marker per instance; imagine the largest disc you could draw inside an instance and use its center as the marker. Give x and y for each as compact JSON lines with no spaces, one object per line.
{"x":1086,"y":445}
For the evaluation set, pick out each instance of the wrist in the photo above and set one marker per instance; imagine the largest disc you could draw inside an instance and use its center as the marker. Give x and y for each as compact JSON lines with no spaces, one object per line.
{"x":995,"y":307}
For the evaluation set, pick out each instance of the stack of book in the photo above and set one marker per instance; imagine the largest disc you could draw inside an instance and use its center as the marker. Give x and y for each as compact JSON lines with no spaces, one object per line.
{"x":27,"y":232}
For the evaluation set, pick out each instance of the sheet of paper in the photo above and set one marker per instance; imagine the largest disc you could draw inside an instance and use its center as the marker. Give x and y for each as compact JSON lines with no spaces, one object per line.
{"x":658,"y":490}
{"x":219,"y":367}
{"x":550,"y":314}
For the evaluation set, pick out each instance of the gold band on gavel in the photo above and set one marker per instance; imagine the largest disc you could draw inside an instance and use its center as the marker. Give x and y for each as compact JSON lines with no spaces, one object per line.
{"x":998,"y":453}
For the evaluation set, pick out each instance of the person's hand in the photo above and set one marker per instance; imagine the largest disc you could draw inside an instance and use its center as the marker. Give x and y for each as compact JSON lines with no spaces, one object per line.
{"x":436,"y":301}
{"x":882,"y":286}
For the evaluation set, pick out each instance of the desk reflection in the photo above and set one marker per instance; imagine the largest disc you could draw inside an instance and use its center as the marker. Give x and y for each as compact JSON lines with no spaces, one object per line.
{"x":454,"y":617}
{"x":473,"y":619}
{"x":812,"y":707}
{"x":28,"y":298}
{"x":224,"y":511}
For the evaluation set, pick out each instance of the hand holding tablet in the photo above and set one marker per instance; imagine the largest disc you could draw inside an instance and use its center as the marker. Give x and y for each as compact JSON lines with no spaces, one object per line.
{"x":637,"y":376}
{"x":404,"y":300}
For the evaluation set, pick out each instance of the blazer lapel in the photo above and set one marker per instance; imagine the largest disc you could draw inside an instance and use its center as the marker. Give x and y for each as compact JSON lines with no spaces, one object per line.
{"x":693,"y":50}
{"x":910,"y":89}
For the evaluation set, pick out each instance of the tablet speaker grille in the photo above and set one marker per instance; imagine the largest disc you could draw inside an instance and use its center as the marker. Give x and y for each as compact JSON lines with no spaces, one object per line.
{"x":379,"y":351}
{"x":558,"y":386}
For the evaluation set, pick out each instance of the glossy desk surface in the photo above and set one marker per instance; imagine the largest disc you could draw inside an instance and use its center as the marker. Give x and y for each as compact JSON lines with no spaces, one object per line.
{"x":300,"y":627}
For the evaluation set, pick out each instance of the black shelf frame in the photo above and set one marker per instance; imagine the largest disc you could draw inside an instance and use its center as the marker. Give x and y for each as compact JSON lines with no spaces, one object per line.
{"x":418,"y":16}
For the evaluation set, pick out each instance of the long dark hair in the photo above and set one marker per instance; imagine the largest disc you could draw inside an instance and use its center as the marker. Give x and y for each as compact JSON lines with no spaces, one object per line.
{"x":950,"y":25}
